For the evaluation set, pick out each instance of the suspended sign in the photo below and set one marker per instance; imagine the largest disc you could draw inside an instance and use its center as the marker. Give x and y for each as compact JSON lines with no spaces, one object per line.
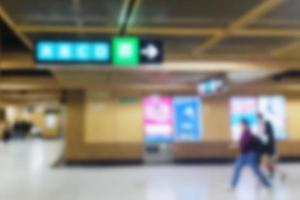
{"x":120,"y":51}
{"x":51,"y":51}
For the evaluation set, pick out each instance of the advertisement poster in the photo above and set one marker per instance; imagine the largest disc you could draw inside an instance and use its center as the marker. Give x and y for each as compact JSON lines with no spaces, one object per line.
{"x":242,"y":108}
{"x":187,"y":119}
{"x":273,"y":108}
{"x":158,"y":119}
{"x":51,"y":121}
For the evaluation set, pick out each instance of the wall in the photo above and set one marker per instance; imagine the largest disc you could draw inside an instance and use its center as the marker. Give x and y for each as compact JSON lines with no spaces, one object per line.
{"x":2,"y":121}
{"x":97,"y":129}
{"x":74,"y":126}
{"x":293,"y":110}
{"x":215,"y":120}
{"x":217,"y":143}
{"x":217,"y":131}
{"x":39,"y":119}
{"x":104,"y":129}
{"x":108,"y":121}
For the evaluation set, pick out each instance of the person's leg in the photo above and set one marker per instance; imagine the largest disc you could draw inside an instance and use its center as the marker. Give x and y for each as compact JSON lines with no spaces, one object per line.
{"x":256,"y":169}
{"x":266,"y":164}
{"x":274,"y":168}
{"x":271,"y":168}
{"x":238,"y":166}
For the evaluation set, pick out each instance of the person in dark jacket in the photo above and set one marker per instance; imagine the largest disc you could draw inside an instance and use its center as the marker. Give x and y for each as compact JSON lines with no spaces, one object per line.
{"x":268,"y":150}
{"x":250,"y":149}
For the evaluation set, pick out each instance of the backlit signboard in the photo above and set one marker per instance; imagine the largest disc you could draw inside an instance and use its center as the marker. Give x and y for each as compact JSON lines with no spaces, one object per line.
{"x":69,"y":51}
{"x":158,"y":119}
{"x":187,"y":119}
{"x":125,"y":51}
{"x":273,"y":109}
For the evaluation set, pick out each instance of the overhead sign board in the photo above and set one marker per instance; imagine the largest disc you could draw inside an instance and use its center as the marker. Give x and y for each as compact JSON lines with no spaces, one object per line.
{"x":70,"y":51}
{"x":151,"y":51}
{"x":127,"y":51}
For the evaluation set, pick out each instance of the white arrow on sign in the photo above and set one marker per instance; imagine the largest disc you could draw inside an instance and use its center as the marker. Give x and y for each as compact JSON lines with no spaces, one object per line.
{"x":150,"y":51}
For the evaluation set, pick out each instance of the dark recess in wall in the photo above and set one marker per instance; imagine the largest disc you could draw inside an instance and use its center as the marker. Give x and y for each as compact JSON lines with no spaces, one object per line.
{"x":287,"y":75}
{"x":25,"y":73}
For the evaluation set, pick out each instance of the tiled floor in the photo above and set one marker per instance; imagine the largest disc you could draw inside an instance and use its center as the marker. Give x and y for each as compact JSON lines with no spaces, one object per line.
{"x":26,"y":174}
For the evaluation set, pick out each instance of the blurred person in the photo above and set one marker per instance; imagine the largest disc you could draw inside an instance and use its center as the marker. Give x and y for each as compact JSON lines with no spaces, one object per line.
{"x":250,"y":151}
{"x":35,"y":131}
{"x":269,"y":154}
{"x":6,"y":136}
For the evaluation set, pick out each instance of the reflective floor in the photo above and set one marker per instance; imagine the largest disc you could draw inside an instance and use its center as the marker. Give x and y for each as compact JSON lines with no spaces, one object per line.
{"x":26,"y":173}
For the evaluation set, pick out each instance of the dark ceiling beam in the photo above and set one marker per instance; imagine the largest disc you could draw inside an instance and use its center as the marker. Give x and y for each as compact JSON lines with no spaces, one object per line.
{"x":241,"y":22}
{"x":16,"y":61}
{"x":28,"y":28}
{"x":128,"y":15}
{"x":286,"y":49}
{"x":14,"y":27}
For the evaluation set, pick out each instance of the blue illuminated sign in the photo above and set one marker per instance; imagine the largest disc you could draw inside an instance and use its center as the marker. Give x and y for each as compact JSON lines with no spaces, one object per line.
{"x":187,"y":119}
{"x":121,"y":51}
{"x":51,"y":51}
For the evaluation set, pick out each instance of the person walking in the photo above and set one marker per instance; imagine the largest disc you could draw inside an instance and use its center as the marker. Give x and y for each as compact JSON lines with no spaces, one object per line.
{"x":249,"y":156}
{"x":268,"y":151}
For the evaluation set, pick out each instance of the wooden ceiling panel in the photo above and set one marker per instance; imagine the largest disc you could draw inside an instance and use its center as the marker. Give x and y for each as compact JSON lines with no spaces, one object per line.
{"x":250,"y":45}
{"x":16,"y":60}
{"x":186,"y":45}
{"x":103,"y":13}
{"x":192,"y":13}
{"x":192,"y":28}
{"x":285,"y":16}
{"x":65,"y":12}
{"x":161,"y":77}
{"x":80,"y":78}
{"x":20,"y":83}
{"x":97,"y":78}
{"x":30,"y":95}
{"x":60,"y":36}
{"x":40,"y":12}
{"x":8,"y":39}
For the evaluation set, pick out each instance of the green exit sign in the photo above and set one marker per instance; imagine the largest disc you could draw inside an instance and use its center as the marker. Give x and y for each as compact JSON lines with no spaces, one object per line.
{"x":126,"y":52}
{"x":128,"y":100}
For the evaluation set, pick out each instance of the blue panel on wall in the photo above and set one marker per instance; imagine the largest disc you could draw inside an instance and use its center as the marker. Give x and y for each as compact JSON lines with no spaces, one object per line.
{"x":187,"y":119}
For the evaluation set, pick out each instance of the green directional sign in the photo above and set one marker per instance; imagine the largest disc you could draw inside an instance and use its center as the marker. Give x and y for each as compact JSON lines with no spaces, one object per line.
{"x":128,"y":100}
{"x":126,"y":52}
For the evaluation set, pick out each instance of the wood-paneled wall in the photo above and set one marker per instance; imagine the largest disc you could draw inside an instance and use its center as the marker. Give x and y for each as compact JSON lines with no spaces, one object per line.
{"x":105,"y":129}
{"x":215,"y":120}
{"x":217,"y":132}
{"x":111,"y":121}
{"x":293,"y":118}
{"x":2,"y":121}
{"x":93,"y":134}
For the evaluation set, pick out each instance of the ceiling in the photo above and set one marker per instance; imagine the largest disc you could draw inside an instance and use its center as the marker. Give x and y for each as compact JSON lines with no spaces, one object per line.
{"x":189,"y":29}
{"x":16,"y":85}
{"x":265,"y":31}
